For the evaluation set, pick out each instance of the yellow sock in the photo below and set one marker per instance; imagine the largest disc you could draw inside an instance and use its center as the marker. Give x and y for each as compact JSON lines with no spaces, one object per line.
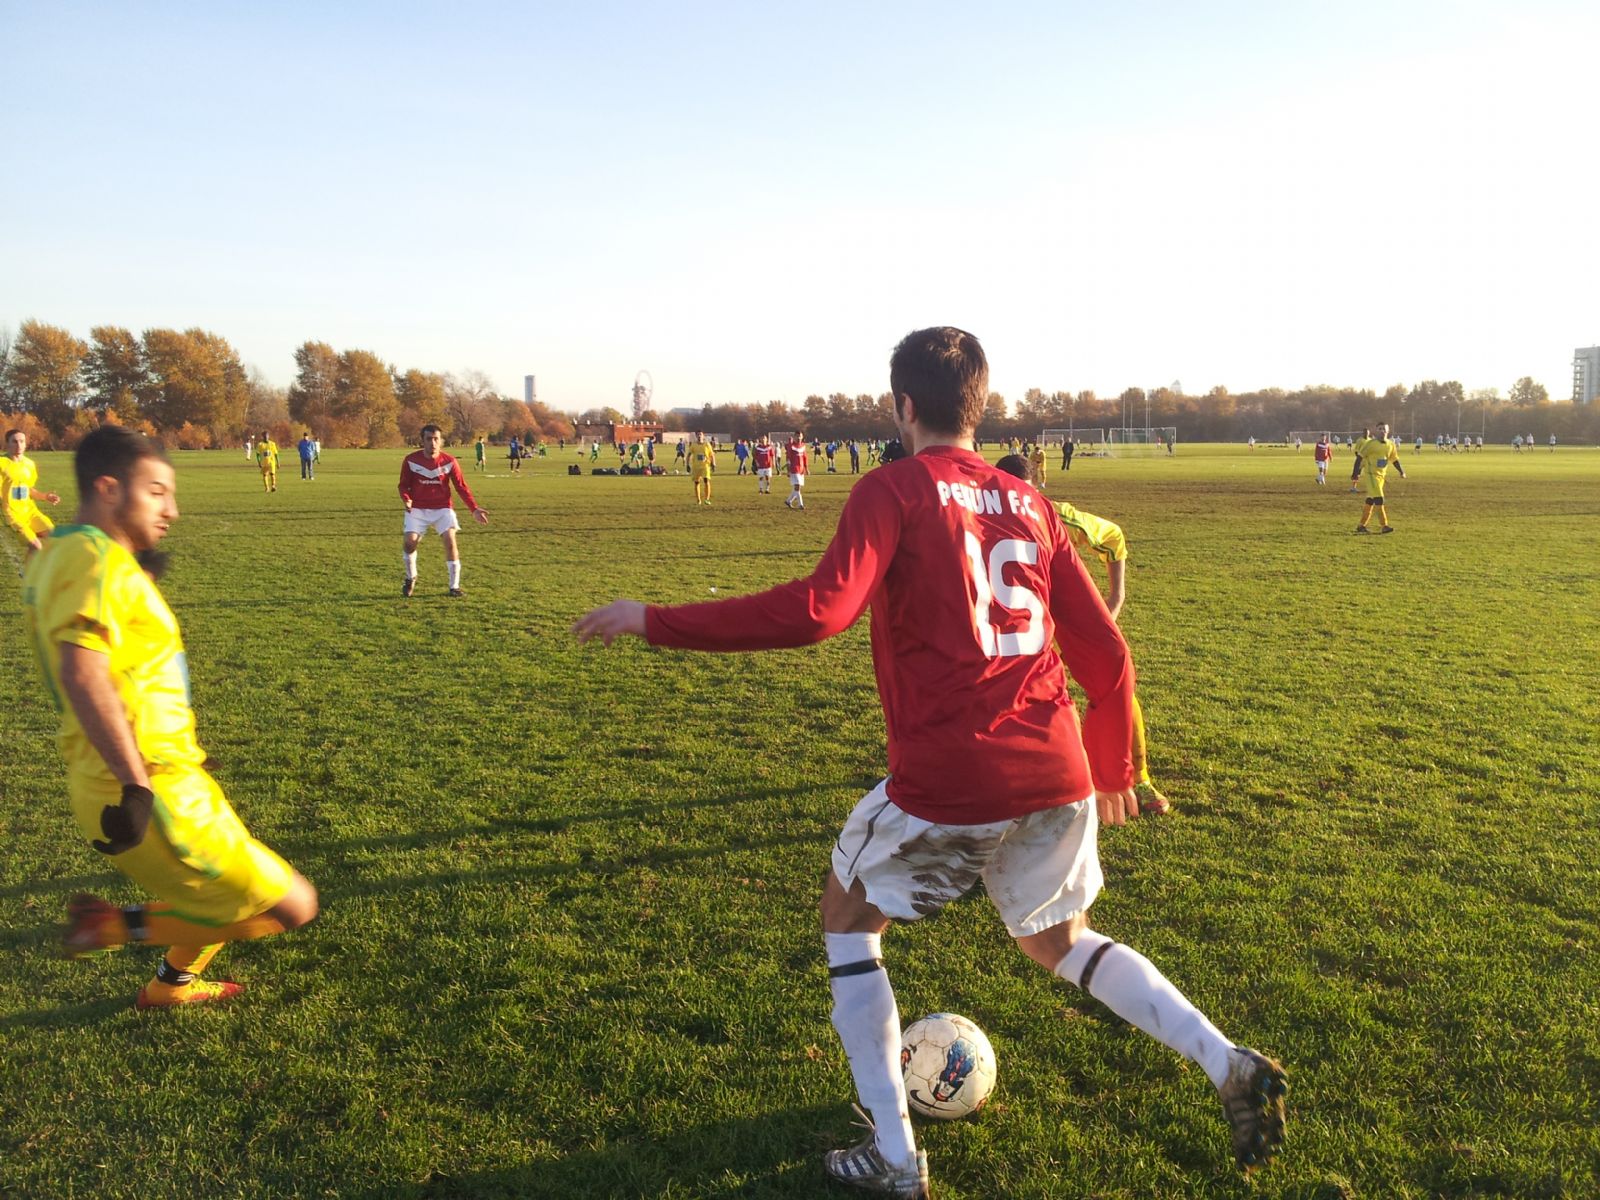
{"x":193,"y":959}
{"x":1383,"y":515}
{"x":1139,"y":759}
{"x":1366,"y":515}
{"x":161,"y":928}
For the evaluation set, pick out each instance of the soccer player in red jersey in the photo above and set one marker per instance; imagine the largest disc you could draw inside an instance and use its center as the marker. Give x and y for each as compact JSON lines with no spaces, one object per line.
{"x":426,"y":478}
{"x":973,"y":585}
{"x":763,"y":455}
{"x":797,"y":459}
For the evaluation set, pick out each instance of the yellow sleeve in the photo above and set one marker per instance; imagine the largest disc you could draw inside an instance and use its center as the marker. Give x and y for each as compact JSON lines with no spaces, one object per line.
{"x":81,"y":603}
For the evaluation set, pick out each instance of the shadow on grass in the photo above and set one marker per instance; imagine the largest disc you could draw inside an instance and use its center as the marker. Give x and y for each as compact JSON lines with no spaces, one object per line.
{"x":90,"y":1012}
{"x":724,"y":1158}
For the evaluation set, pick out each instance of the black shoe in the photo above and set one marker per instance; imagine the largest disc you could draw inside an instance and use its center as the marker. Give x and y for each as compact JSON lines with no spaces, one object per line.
{"x":1362,"y":529}
{"x":409,"y":586}
{"x":455,"y":592}
{"x":1387,"y":529}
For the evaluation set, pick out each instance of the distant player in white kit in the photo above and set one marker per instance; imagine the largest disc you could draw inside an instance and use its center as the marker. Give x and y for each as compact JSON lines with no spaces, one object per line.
{"x":973,"y":585}
{"x":426,"y":477}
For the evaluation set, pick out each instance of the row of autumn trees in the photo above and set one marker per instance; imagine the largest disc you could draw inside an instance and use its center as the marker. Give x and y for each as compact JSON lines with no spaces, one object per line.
{"x":190,"y":389}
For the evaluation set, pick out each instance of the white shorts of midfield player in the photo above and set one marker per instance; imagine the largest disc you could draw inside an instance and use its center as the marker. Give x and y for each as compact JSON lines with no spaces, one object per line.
{"x":796,"y":458}
{"x":973,"y":585}
{"x":426,"y":478}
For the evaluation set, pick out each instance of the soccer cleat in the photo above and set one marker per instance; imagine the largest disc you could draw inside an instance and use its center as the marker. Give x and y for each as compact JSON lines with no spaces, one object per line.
{"x":94,"y":926}
{"x":1387,"y":529}
{"x":1362,"y":529}
{"x":861,"y":1166}
{"x":1252,"y":1097}
{"x":455,"y":592}
{"x":196,"y":991}
{"x":409,"y":586}
{"x":1151,"y":802}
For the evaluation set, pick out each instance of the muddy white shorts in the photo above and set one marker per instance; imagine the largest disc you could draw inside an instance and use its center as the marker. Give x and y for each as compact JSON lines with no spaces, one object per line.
{"x":1039,"y":870}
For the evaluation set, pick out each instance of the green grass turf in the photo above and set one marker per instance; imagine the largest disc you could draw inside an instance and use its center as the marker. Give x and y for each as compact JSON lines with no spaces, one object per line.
{"x":569,"y":944}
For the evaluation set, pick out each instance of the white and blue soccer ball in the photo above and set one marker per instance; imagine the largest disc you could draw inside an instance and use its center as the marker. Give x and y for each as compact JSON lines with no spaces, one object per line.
{"x":948,"y":1065}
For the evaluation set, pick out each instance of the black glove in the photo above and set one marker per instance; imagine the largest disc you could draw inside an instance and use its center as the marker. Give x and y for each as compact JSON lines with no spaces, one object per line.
{"x":125,"y":824}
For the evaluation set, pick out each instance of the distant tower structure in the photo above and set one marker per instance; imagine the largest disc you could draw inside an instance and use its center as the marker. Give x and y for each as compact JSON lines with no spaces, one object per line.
{"x":1585,"y":374}
{"x":530,"y":389}
{"x":643,"y":388}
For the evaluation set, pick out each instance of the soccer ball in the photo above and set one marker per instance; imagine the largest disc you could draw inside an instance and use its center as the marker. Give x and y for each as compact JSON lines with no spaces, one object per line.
{"x":948,"y":1066}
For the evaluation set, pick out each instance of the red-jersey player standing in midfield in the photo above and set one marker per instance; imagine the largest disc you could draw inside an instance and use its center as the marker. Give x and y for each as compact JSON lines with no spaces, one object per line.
{"x":426,"y":478}
{"x":763,"y":455}
{"x":796,"y":456}
{"x":973,"y":584}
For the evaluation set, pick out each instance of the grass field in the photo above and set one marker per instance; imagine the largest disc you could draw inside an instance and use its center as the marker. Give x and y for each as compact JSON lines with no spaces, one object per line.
{"x":569,"y":942}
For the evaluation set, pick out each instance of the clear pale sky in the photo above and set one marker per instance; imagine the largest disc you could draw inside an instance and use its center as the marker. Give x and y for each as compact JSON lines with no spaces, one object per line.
{"x":755,"y":202}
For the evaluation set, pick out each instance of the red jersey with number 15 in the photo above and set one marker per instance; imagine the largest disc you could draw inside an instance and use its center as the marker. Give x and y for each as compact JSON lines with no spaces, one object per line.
{"x":972,"y":581}
{"x":427,"y":481}
{"x":795,"y":453}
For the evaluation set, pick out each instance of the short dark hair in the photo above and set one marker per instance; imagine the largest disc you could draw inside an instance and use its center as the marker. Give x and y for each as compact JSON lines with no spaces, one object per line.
{"x":427,"y":429}
{"x":111,"y":450}
{"x":1014,"y":464}
{"x":10,"y":433}
{"x":944,"y":370}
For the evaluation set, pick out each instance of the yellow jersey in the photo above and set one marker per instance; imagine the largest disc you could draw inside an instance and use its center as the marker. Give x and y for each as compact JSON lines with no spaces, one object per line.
{"x":84,"y":589}
{"x":267,"y":455}
{"x":1095,"y":534}
{"x":18,"y":476}
{"x":1377,"y":454}
{"x":702,"y":458}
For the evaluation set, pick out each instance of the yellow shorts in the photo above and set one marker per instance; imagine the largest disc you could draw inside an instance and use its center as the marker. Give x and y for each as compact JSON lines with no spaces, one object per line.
{"x":198,"y":856}
{"x":30,"y":521}
{"x":1374,"y":487}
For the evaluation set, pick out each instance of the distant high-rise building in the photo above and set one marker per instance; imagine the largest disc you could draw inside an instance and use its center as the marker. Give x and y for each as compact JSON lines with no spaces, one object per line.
{"x":1585,"y":374}
{"x":530,"y":390}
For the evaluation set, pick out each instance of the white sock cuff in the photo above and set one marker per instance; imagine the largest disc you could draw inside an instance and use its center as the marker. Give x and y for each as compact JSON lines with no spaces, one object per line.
{"x":1089,"y":943}
{"x":846,"y":948}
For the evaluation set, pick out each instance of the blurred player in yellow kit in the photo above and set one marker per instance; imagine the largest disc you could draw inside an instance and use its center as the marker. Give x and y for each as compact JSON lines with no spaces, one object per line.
{"x":114,"y":665}
{"x":267,"y":460}
{"x":1105,"y":540}
{"x":18,"y":474}
{"x":702,"y":461}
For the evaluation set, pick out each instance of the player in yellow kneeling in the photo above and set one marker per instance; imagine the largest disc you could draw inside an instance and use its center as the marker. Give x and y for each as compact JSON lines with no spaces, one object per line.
{"x":113,"y":661}
{"x":702,"y":462}
{"x":1105,"y":540}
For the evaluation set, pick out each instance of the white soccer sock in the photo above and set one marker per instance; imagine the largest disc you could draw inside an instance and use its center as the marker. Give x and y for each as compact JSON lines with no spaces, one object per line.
{"x":411,"y":564}
{"x":868,"y":1022}
{"x":454,"y":564}
{"x":1128,"y":983}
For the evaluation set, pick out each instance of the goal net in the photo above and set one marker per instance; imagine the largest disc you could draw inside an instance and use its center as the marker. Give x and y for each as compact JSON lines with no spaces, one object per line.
{"x":1090,"y":443}
{"x":781,"y":439}
{"x":1149,"y":440}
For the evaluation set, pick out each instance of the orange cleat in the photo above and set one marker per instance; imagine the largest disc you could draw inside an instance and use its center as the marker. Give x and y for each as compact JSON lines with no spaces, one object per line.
{"x":156,"y":994}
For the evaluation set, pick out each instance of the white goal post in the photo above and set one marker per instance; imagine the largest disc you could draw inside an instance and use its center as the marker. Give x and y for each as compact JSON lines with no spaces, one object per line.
{"x":1091,"y":443}
{"x":781,"y":439}
{"x":1148,"y":440}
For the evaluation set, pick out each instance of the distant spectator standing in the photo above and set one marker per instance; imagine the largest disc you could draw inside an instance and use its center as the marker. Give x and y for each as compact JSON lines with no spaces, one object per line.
{"x":308,"y":456}
{"x":1067,"y":447}
{"x":855,"y":456}
{"x":741,"y":451}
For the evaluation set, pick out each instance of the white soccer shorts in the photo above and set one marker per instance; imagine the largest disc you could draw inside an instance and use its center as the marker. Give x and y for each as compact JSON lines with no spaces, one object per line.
{"x":797,"y":481}
{"x":420,"y":520}
{"x":763,"y":472}
{"x":1039,"y":870}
